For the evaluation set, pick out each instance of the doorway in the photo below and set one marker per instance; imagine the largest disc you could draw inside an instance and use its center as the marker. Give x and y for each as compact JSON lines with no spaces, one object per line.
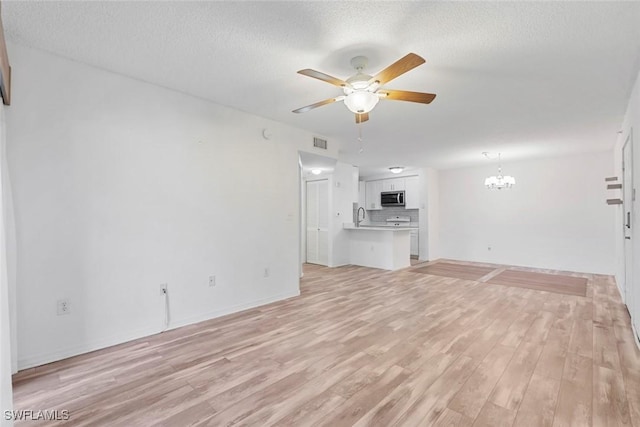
{"x":317,"y":201}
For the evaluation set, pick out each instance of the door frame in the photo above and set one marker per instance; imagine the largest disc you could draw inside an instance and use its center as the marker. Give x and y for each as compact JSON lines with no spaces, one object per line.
{"x":631,"y":289}
{"x":627,"y":217}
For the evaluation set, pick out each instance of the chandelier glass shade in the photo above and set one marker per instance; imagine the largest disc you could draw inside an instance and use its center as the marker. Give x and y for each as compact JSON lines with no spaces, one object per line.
{"x":499,"y":181}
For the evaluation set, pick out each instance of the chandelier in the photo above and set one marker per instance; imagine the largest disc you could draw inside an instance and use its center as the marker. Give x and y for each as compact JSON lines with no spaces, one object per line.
{"x":500,"y":181}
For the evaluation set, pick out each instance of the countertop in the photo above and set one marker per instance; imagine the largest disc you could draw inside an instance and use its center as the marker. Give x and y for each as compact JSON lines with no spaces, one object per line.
{"x":378,"y":227}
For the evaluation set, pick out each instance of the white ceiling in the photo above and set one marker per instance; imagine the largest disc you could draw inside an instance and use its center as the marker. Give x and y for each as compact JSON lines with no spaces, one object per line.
{"x":528,"y":79}
{"x":310,"y":161}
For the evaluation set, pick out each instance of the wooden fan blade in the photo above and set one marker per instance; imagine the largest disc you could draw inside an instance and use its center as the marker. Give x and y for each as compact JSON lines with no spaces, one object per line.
{"x":318,"y":104}
{"x":324,"y":77}
{"x":401,"y":66}
{"x":404,"y":95}
{"x":362,"y":117}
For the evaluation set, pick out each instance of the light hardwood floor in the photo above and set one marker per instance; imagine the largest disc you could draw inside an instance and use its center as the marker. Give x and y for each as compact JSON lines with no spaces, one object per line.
{"x":366,"y":347}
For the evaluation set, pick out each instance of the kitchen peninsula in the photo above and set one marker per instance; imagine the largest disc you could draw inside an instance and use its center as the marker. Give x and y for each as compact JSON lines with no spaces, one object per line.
{"x":385,"y":247}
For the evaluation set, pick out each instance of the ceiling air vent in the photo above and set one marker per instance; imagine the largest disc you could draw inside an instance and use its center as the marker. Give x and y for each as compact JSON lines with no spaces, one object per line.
{"x":319,"y":143}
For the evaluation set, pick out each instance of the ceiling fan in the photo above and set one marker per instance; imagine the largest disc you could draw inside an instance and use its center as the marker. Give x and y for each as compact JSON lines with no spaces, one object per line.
{"x":362,"y":91}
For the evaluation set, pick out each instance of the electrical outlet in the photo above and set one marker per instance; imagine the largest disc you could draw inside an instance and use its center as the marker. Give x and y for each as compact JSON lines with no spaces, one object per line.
{"x":266,"y":272}
{"x":212,"y":281}
{"x":63,"y":307}
{"x":163,"y":289}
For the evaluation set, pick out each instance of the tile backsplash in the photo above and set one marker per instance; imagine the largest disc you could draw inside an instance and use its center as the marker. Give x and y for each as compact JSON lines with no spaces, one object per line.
{"x":382,"y":215}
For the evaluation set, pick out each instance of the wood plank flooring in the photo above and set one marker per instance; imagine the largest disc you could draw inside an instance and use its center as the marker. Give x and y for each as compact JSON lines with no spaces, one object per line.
{"x":459,"y":271}
{"x":367,"y":347}
{"x":559,"y":283}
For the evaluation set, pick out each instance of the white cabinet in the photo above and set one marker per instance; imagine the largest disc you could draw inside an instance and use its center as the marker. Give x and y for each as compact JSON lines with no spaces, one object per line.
{"x":412,"y":192}
{"x":415,"y":247}
{"x":386,"y":247}
{"x":409,"y":184}
{"x":393,"y":184}
{"x":373,"y":190}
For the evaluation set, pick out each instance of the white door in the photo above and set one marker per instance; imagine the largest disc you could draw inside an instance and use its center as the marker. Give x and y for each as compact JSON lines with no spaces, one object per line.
{"x":318,"y":222}
{"x":627,"y":204}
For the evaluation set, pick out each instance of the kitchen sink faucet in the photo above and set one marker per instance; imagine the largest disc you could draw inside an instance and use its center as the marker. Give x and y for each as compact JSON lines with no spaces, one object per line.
{"x":364,"y":214}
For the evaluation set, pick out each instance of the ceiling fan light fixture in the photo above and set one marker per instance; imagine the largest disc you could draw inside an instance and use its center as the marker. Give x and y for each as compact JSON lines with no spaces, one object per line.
{"x":361,"y":101}
{"x":396,"y":169}
{"x":362,"y":91}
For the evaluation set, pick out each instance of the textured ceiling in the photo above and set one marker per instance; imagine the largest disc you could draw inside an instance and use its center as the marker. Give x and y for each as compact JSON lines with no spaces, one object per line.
{"x":528,"y":79}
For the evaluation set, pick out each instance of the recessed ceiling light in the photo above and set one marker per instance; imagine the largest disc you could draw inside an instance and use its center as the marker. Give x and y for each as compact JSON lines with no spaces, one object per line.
{"x":396,"y":169}
{"x":316,"y":171}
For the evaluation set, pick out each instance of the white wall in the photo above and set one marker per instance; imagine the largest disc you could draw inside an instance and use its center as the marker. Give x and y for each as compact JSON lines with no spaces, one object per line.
{"x":120,"y":186}
{"x":7,"y":288}
{"x":554,"y":217}
{"x":343,"y":193}
{"x":433,"y":215}
{"x":424,"y":211}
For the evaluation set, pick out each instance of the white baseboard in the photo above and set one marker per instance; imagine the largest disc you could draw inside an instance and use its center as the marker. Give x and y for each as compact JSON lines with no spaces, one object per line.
{"x":64,"y":353}
{"x":178,"y":323}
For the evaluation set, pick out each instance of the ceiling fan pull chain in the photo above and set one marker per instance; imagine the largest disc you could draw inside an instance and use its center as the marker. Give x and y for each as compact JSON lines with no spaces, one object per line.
{"x":360,"y":137}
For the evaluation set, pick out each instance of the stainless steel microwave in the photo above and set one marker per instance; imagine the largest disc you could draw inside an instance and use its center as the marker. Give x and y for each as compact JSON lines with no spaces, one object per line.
{"x":392,"y":198}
